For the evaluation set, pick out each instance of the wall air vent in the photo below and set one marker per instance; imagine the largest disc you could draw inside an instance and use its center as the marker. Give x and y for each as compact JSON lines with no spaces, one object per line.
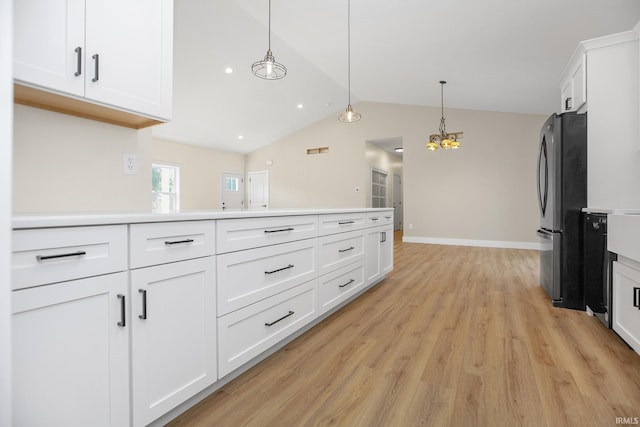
{"x":319,"y":150}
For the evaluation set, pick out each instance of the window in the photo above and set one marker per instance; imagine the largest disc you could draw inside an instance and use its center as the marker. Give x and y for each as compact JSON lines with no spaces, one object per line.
{"x":378,"y":189}
{"x":231,"y":183}
{"x":165,"y":186}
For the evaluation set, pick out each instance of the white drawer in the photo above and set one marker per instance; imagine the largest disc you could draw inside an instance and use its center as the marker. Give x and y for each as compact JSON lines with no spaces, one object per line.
{"x":340,"y":285}
{"x":338,"y":223}
{"x":379,"y":218}
{"x":623,"y":235}
{"x":249,"y":276}
{"x":51,"y":255}
{"x":247,"y":233}
{"x":338,"y":250}
{"x":164,"y":242}
{"x":244,"y":334}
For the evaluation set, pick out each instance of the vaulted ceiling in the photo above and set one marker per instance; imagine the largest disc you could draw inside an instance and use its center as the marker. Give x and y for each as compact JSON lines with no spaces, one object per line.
{"x":499,"y":55}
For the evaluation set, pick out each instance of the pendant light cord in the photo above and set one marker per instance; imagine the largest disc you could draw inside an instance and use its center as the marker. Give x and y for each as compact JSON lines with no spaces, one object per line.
{"x":443,"y":129}
{"x":269,"y":24}
{"x":348,"y":47}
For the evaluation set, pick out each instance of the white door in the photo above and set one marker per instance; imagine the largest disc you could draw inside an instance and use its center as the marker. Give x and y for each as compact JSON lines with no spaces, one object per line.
{"x":259,"y":190}
{"x":232,"y":193}
{"x":397,"y":202}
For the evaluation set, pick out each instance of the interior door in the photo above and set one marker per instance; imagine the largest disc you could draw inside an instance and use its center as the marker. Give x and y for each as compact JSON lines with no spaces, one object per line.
{"x":258,"y":190}
{"x":397,"y":202}
{"x":232,"y":192}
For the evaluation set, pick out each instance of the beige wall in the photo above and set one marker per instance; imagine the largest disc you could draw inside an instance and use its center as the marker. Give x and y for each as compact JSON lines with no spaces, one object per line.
{"x":200,"y":170}
{"x":64,"y":163}
{"x":484,"y":192}
{"x":68,"y":164}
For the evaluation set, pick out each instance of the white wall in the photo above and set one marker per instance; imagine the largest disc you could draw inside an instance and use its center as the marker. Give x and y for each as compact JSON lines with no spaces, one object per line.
{"x":200,"y":171}
{"x":485,"y":192}
{"x":6,"y":126}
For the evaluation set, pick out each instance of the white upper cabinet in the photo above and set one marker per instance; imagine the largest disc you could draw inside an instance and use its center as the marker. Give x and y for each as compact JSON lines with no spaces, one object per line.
{"x":116,"y":54}
{"x":573,"y":84}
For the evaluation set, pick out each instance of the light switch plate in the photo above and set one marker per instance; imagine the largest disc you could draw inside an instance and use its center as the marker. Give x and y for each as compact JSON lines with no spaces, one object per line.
{"x":130,"y":164}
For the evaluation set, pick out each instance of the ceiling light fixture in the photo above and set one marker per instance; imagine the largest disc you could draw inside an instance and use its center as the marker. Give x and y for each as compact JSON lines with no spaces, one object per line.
{"x":446,"y":140}
{"x":349,"y":115}
{"x":399,"y":150}
{"x":268,"y":68}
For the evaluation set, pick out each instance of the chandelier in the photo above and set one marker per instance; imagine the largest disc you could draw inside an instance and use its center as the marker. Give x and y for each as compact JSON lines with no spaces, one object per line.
{"x":268,"y":68}
{"x":444,"y":139}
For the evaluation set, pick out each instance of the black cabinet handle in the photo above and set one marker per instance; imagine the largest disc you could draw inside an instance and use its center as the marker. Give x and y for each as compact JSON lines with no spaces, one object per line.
{"x":143,"y":316}
{"x":123,"y":321}
{"x":567,"y":103}
{"x":345,"y":222}
{"x":96,"y":76}
{"x":346,"y":250}
{"x":79,"y":66}
{"x":177,"y":242}
{"x":279,"y":231}
{"x":280,"y":269}
{"x":45,"y":257}
{"x":383,"y":236}
{"x":636,"y":297}
{"x":347,"y":284}
{"x":282,"y":318}
{"x":375,"y":218}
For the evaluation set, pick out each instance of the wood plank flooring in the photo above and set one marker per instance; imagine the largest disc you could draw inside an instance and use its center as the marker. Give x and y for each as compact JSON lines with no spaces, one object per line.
{"x":454,"y":336}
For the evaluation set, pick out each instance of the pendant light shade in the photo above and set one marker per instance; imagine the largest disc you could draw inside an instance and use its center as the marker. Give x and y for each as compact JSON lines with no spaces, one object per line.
{"x":349,"y":116}
{"x":268,"y":68}
{"x":443,"y":138}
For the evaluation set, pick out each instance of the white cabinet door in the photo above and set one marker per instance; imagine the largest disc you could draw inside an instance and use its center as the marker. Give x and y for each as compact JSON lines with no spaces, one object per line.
{"x":173,"y":335}
{"x":379,"y":253}
{"x":129,"y":54}
{"x":573,"y":84}
{"x":48,"y":44}
{"x":71,"y":353}
{"x":626,"y":304}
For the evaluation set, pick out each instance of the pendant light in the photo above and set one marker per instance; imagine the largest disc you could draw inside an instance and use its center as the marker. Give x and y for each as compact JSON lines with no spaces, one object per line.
{"x":446,"y":140}
{"x":349,"y":116}
{"x":268,"y":68}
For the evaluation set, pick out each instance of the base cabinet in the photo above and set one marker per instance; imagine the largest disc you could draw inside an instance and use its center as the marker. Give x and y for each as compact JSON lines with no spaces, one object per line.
{"x":173,"y":335}
{"x":70,"y":353}
{"x":626,"y":304}
{"x":379,"y":252}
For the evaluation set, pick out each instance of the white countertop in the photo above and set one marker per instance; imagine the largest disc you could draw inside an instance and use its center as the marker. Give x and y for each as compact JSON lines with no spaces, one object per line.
{"x":69,"y":219}
{"x":612,"y":211}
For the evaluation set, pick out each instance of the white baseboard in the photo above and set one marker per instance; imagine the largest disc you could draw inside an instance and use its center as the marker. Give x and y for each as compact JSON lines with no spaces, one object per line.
{"x":469,"y":242}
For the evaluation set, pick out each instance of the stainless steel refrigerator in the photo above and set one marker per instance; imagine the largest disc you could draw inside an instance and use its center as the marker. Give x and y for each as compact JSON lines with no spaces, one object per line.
{"x":562,"y":193}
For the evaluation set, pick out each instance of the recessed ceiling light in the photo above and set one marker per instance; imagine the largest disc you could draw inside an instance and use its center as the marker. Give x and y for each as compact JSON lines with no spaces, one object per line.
{"x":300,"y":106}
{"x":228,"y":70}
{"x":399,"y":150}
{"x":240,"y":137}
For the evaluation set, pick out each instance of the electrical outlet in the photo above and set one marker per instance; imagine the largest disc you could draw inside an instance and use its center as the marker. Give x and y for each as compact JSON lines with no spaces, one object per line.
{"x":410,"y":226}
{"x":130,"y":164}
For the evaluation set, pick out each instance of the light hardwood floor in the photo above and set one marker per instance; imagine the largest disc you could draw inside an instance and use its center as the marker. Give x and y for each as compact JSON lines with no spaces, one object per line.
{"x":454,"y":336}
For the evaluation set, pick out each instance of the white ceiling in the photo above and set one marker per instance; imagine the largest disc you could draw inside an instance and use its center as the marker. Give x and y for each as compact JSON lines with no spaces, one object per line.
{"x":499,"y":55}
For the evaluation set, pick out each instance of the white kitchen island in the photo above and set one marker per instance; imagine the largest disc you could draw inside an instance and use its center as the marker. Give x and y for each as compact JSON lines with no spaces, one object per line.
{"x":134,"y":317}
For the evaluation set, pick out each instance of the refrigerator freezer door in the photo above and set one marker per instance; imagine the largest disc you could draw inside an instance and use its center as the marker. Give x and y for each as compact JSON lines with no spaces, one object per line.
{"x":550,"y":268}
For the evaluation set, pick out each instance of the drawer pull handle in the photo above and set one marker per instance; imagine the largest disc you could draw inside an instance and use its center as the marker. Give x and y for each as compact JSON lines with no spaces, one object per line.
{"x":387,"y":217}
{"x":143,"y":316}
{"x":46,"y":257}
{"x":347,"y":284}
{"x":636,"y":299}
{"x":375,"y":218}
{"x":346,"y":250}
{"x":282,"y":318}
{"x":346,"y":222}
{"x":280,"y":269}
{"x":279,"y":231}
{"x":177,"y":242}
{"x":123,"y":321}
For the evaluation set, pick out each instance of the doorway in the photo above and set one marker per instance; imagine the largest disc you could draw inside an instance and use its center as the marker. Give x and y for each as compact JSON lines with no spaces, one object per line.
{"x":397,"y":202}
{"x":258,"y":190}
{"x":232,"y":194}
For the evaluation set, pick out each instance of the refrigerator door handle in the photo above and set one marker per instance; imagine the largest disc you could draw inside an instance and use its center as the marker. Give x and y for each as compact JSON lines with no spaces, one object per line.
{"x":543,"y":233}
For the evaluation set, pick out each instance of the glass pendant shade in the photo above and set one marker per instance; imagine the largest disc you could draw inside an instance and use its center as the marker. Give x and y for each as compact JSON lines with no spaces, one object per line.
{"x":349,"y":115}
{"x":268,"y":68}
{"x":432,"y":146}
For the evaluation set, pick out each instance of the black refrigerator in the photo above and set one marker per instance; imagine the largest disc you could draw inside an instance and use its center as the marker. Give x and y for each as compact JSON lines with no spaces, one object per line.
{"x":562,"y":193}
